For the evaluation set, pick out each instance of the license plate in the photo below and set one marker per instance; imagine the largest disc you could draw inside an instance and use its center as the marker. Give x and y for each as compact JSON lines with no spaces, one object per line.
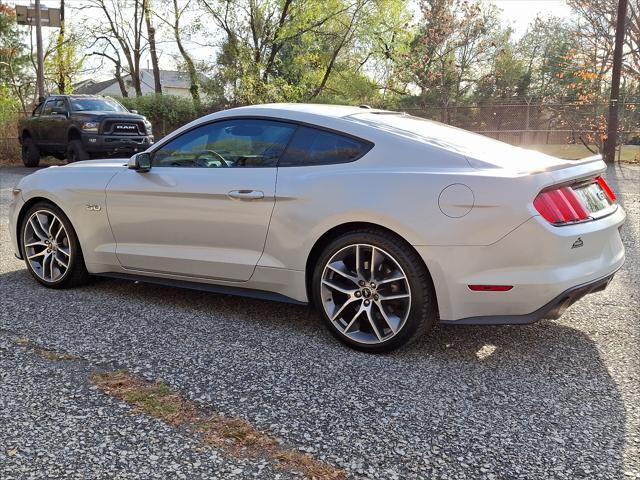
{"x":593,"y":197}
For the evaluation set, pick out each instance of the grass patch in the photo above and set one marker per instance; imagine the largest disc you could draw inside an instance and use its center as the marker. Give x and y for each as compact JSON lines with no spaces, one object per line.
{"x":45,"y":353}
{"x":55,"y":356}
{"x":235,"y":435}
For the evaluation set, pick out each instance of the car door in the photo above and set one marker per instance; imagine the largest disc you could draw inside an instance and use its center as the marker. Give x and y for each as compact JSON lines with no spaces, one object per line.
{"x":203,"y":209}
{"x":59,"y":121}
{"x":43,"y":123}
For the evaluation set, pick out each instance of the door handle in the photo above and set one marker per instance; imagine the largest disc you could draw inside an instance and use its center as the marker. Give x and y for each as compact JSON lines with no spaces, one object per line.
{"x":246,"y":194}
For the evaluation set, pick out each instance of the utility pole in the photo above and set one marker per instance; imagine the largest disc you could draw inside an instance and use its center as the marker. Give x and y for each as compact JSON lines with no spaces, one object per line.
{"x":35,"y":15}
{"x":40,"y":54}
{"x":616,"y":72}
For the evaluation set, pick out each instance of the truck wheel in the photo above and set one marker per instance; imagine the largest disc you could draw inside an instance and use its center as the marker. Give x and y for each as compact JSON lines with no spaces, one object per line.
{"x":76,"y":152}
{"x":30,"y":153}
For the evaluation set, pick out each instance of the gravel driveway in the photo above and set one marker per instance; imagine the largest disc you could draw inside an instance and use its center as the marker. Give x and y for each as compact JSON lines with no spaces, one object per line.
{"x":559,"y":399}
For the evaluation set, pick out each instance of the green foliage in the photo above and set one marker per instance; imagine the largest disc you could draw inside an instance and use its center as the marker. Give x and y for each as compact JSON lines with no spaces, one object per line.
{"x":165,"y":112}
{"x":303,"y":50}
{"x":64,"y":61}
{"x":14,"y":58}
{"x":9,"y":105}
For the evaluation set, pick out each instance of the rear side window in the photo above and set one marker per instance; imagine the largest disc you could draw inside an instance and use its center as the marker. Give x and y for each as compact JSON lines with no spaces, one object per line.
{"x":311,"y":146}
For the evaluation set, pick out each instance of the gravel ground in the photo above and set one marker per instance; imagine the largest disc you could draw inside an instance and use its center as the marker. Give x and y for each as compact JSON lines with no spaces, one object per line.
{"x":558,"y":399}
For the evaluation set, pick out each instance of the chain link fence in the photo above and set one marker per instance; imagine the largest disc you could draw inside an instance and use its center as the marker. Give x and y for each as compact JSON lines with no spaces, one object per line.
{"x":526,"y":124}
{"x":530,"y":124}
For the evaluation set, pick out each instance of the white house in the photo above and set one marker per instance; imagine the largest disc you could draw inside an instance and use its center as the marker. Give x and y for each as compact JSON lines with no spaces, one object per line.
{"x":173,"y":83}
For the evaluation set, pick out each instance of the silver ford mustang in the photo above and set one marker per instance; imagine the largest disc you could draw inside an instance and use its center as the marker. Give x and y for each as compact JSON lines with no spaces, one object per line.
{"x":387,"y":223}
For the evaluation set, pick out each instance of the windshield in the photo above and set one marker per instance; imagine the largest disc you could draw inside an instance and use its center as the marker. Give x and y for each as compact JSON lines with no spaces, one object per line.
{"x":96,"y":104}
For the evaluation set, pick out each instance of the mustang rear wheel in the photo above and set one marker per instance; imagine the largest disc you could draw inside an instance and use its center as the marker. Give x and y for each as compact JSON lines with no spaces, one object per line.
{"x":373,"y":291}
{"x":50,"y":247}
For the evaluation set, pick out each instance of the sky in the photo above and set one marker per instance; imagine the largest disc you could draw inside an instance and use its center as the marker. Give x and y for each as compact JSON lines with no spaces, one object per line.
{"x":517,"y":13}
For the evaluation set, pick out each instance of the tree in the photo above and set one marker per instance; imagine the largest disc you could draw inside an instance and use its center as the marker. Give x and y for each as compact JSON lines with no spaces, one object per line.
{"x":548,"y":49}
{"x":290,"y":50}
{"x":107,"y":50}
{"x":151,"y":39}
{"x":177,"y":28}
{"x":123,"y":28}
{"x":14,"y":59}
{"x":631,"y":65}
{"x":63,"y":58}
{"x":454,"y":40}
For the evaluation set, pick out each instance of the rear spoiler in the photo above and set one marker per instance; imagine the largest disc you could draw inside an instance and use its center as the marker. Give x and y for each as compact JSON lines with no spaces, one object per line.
{"x":578,"y":169}
{"x":593,"y":158}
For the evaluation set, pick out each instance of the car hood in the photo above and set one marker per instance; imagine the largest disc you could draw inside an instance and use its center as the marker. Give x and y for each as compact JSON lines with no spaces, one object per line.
{"x":99,"y":115}
{"x":108,"y":162}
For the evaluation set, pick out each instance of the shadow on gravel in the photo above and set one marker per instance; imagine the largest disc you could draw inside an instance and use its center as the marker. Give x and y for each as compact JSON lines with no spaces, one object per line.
{"x":532,"y":400}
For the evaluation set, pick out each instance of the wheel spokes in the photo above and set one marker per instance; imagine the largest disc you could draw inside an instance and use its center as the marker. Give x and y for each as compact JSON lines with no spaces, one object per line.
{"x":343,"y":273}
{"x":394,"y":297}
{"x":373,"y":323}
{"x":333,"y":286}
{"x":365,"y":293}
{"x":393,"y":325}
{"x":46,"y":246}
{"x":41,"y":234}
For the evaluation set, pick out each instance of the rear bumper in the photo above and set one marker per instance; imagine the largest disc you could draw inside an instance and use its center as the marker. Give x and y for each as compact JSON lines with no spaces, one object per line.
{"x":543,"y":263}
{"x":552,"y":310}
{"x":110,"y":144}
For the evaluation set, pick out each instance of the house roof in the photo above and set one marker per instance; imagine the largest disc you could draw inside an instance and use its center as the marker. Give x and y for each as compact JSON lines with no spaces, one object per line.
{"x":92,"y":88}
{"x":168,"y":79}
{"x":171,"y":78}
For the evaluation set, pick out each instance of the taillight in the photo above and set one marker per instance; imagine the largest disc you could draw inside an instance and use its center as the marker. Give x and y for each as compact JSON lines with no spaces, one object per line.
{"x":607,"y":189}
{"x":560,"y":205}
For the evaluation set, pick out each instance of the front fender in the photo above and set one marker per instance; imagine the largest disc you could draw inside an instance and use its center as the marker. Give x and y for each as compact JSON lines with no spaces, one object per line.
{"x":80,"y":194}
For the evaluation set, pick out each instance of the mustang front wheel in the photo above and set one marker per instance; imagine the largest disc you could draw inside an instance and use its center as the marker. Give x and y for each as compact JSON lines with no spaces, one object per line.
{"x":50,"y":247}
{"x":373,"y":291}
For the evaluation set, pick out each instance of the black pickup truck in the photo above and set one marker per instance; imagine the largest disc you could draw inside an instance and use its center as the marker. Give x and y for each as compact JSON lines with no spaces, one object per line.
{"x":79,"y":127}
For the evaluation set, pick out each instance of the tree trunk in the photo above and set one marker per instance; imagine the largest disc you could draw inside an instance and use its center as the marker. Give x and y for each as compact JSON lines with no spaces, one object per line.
{"x":609,"y":153}
{"x":61,"y":80}
{"x":151,"y":33}
{"x":191,"y":69}
{"x":123,"y":87}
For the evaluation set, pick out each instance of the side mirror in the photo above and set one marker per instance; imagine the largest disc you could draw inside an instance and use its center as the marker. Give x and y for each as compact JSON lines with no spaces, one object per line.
{"x":133,"y":111}
{"x":140,"y":162}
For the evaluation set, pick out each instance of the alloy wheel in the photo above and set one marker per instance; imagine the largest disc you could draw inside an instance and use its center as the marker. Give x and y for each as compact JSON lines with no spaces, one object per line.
{"x":365,"y":293}
{"x":46,"y":246}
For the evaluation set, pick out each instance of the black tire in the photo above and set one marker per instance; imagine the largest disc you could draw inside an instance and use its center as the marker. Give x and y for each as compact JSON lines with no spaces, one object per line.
{"x":30,"y":153}
{"x":76,"y":273}
{"x":423,"y":307}
{"x":76,"y":151}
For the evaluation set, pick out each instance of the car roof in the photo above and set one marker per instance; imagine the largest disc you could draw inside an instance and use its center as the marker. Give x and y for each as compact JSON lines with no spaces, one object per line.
{"x":316,"y":109}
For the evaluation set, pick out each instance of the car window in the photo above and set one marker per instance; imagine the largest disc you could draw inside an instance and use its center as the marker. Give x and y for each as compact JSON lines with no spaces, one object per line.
{"x":38,"y":109}
{"x":48,"y":107}
{"x":82,"y":104}
{"x":54,"y":103}
{"x":59,"y":104}
{"x":238,"y":143}
{"x":311,"y":146}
